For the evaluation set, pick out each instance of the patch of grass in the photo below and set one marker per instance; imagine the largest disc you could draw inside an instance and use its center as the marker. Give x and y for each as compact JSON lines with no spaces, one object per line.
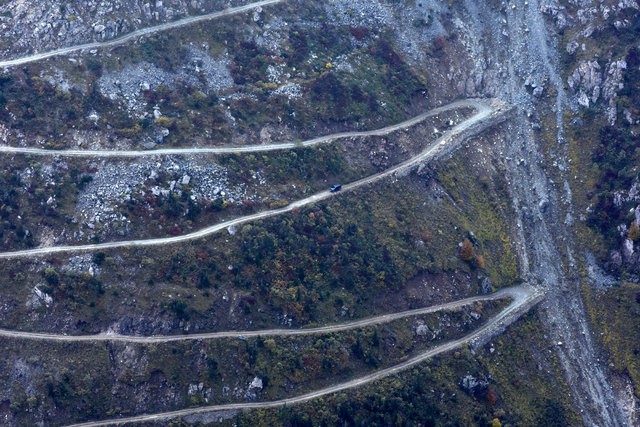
{"x":615,"y":314}
{"x":134,"y":378}
{"x":431,"y":394}
{"x":482,"y":208}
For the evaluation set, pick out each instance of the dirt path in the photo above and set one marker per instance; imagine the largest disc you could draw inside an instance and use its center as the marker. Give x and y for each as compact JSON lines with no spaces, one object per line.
{"x":524,"y":298}
{"x":517,"y":293}
{"x":473,"y":103}
{"x":138,"y":33}
{"x":488,"y":112}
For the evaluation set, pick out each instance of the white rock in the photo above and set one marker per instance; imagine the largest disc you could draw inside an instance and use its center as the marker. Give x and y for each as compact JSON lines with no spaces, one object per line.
{"x":628,"y":249}
{"x":422,"y":330}
{"x":38,"y":298}
{"x":583,"y":99}
{"x":256,"y":384}
{"x":193,"y":389}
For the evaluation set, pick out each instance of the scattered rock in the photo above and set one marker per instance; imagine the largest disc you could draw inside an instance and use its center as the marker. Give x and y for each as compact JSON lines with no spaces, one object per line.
{"x":256,"y":384}
{"x":474,"y":386}
{"x":39,"y":298}
{"x":422,"y":330}
{"x":586,"y":81}
{"x":253,"y":389}
{"x":627,"y":250}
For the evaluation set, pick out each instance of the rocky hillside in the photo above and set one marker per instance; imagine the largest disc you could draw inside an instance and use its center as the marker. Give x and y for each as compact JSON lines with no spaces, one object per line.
{"x":36,"y":26}
{"x":549,"y":197}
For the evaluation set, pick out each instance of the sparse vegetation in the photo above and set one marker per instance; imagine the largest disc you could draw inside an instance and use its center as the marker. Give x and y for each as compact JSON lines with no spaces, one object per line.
{"x":432,"y":394}
{"x":616,"y":313}
{"x":634,"y":231}
{"x":286,"y":73}
{"x":305,"y":267}
{"x":173,"y":372}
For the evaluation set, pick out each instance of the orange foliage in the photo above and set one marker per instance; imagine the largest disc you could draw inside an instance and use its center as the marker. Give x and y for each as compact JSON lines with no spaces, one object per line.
{"x":492,"y":396}
{"x":634,"y":231}
{"x":467,"y":252}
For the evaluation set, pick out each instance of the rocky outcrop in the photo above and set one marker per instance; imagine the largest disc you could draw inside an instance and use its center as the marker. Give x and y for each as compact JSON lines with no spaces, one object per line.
{"x":588,"y":83}
{"x":611,"y":86}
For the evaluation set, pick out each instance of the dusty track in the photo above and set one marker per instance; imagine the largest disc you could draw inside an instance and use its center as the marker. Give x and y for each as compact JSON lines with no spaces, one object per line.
{"x":479,"y":105}
{"x":524,"y":298}
{"x":138,"y":33}
{"x":518,"y":293}
{"x":488,"y":112}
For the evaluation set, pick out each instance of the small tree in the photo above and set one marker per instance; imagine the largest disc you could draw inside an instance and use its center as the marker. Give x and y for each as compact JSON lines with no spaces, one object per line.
{"x":634,"y":231}
{"x":467,"y":252}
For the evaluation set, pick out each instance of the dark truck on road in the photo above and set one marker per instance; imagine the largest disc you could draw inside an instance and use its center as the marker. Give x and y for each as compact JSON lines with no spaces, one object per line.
{"x":335,"y":188}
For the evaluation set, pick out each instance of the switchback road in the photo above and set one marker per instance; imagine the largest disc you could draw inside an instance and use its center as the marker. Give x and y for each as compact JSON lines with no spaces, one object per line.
{"x":524,"y":298}
{"x":519,"y":294}
{"x":476,"y":104}
{"x":488,"y":112}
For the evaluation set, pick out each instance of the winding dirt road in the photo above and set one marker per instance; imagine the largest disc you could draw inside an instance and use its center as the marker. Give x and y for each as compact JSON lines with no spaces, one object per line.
{"x":138,"y":33}
{"x":523,"y":296}
{"x":476,"y":104}
{"x":519,"y":294}
{"x":488,"y":112}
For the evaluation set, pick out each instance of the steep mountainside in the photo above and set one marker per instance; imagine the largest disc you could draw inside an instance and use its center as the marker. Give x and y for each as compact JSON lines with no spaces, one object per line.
{"x":531,"y":177}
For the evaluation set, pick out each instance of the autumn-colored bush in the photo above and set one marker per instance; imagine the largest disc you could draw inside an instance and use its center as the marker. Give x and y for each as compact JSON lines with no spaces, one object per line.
{"x":634,"y":231}
{"x":492,"y":396}
{"x":164,"y":121}
{"x":359,"y":32}
{"x":467,"y":252}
